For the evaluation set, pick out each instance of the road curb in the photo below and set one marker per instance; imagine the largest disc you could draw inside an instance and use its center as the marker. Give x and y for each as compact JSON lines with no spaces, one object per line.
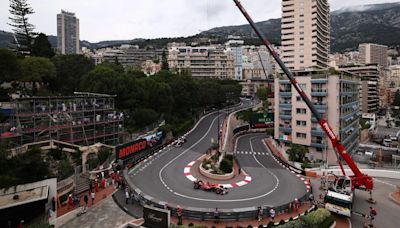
{"x":393,"y":199}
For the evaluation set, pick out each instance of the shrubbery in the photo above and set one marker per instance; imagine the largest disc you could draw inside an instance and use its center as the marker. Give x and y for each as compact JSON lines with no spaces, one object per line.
{"x":226,"y":165}
{"x":320,"y":218}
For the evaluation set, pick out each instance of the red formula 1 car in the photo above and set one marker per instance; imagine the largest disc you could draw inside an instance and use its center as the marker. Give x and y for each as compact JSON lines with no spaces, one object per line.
{"x":219,"y":189}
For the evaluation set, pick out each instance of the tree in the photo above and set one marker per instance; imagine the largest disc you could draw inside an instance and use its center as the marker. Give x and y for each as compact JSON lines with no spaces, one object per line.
{"x":164,"y":61}
{"x":23,"y":30}
{"x":37,"y":70}
{"x":41,"y":47}
{"x":70,"y":70}
{"x":297,"y":153}
{"x":9,"y":66}
{"x":263,"y":94}
{"x":396,"y":101}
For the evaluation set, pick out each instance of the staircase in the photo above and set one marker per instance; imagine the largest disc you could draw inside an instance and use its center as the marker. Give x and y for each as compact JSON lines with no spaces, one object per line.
{"x":81,"y":183}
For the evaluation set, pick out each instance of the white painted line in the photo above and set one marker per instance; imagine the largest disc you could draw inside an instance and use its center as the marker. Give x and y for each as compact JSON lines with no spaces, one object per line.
{"x":192,"y":163}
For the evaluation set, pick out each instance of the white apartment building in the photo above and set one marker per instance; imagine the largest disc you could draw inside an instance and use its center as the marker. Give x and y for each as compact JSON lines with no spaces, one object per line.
{"x":205,"y":61}
{"x":305,"y":34}
{"x":373,"y":53}
{"x":236,"y":47}
{"x":335,"y":96}
{"x":68,"y":33}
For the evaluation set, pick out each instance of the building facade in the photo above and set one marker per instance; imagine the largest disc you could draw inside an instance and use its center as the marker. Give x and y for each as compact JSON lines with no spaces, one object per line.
{"x":373,"y":53}
{"x":207,"y":61}
{"x":68,"y":33}
{"x":370,"y":76}
{"x":336,"y":97}
{"x":305,"y":34}
{"x":236,"y":46}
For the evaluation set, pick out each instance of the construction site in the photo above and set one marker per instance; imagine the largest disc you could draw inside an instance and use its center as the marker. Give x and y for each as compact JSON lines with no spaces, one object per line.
{"x":81,"y":119}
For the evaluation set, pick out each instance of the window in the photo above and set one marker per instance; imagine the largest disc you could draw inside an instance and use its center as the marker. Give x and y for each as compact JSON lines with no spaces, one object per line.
{"x":298,"y":98}
{"x":303,"y":86}
{"x":301,"y":111}
{"x":301,"y":135}
{"x":301,"y":123}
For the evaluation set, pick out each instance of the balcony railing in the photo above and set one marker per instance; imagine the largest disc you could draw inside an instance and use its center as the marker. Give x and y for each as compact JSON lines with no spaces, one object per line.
{"x":317,"y":144}
{"x":317,"y":132}
{"x":319,"y":92}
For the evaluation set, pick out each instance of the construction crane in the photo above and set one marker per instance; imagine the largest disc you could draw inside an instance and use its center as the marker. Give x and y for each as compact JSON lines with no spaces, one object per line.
{"x":344,"y":185}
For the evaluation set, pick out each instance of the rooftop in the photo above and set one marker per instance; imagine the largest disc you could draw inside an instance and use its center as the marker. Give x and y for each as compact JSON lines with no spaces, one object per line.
{"x":22,"y":194}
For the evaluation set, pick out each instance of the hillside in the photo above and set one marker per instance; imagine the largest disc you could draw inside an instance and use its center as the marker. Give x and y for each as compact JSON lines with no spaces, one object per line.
{"x":375,"y":23}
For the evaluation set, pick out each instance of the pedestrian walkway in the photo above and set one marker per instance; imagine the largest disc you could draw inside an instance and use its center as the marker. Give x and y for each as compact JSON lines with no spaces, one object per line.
{"x":245,"y":223}
{"x":99,"y":196}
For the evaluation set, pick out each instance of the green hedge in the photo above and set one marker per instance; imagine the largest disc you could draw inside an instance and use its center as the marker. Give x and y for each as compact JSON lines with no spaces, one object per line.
{"x":226,"y":165}
{"x":320,"y":218}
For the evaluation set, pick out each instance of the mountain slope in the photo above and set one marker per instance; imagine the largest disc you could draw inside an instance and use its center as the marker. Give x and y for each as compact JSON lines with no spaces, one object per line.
{"x":375,"y":23}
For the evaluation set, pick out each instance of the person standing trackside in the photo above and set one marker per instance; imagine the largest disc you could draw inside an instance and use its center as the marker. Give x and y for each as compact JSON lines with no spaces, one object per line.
{"x":179,"y":213}
{"x":272,"y":214}
{"x":259,"y":213}
{"x":93,"y":196}
{"x":86,"y":199}
{"x":127,"y":196}
{"x":216,"y":215}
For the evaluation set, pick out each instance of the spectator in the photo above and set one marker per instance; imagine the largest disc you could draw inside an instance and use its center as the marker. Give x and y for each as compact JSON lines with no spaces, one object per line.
{"x":93,"y":196}
{"x":70,"y":201}
{"x":179,"y":213}
{"x":259,"y":213}
{"x":86,"y":199}
{"x":127,"y":196}
{"x":216,"y":215}
{"x":272,"y":214}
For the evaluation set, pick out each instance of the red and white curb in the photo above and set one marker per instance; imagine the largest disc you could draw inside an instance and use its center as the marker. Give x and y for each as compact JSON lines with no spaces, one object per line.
{"x":189,"y":176}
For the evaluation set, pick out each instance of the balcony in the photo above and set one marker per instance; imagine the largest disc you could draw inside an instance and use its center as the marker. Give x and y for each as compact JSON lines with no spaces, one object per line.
{"x":285,"y":105}
{"x":285,"y":128}
{"x":320,"y":105}
{"x":317,"y":144}
{"x":319,"y":92}
{"x":317,"y":132}
{"x":349,"y":93}
{"x":319,"y":81}
{"x":285,"y":116}
{"x":285,"y":93}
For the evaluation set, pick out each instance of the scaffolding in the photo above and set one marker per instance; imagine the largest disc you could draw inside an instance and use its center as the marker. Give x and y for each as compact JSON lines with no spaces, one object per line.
{"x":82,"y":119}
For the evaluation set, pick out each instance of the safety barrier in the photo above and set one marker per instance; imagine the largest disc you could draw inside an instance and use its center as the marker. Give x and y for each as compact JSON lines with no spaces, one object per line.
{"x":195,"y":213}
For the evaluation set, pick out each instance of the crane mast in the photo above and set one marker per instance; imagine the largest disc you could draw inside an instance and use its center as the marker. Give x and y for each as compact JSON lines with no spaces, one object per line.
{"x":359,"y":180}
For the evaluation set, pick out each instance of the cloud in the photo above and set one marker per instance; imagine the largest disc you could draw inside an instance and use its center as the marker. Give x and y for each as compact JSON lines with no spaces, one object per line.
{"x":128,"y":19}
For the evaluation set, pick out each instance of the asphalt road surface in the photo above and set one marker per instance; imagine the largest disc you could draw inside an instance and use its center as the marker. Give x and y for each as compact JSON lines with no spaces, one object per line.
{"x":163,"y":177}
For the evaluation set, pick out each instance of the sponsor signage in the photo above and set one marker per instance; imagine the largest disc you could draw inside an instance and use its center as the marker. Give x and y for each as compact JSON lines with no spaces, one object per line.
{"x":156,"y":217}
{"x":126,"y":150}
{"x":262,"y":120}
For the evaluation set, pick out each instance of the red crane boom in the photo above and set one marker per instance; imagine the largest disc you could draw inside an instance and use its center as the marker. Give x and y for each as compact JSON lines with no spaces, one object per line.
{"x":359,"y":180}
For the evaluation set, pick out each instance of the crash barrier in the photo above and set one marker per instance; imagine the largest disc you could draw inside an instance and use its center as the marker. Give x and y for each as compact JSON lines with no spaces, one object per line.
{"x":240,"y":129}
{"x":195,"y":213}
{"x":284,"y":163}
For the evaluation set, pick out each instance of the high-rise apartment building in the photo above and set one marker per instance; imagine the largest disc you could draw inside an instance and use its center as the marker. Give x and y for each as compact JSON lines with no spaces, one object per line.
{"x":68,"y":33}
{"x":236,"y":47}
{"x":305,"y":34}
{"x":336,"y":98}
{"x":207,"y":61}
{"x":369,"y":88}
{"x":373,"y":53}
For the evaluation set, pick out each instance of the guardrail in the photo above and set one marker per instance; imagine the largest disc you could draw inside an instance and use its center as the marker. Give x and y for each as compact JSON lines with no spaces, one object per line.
{"x":203,"y":214}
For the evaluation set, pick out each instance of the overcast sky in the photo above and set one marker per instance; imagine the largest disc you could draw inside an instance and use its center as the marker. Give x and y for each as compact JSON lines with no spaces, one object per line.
{"x":128,"y":19}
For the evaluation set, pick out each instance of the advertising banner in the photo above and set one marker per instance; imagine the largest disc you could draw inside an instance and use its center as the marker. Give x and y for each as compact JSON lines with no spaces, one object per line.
{"x":156,"y":217}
